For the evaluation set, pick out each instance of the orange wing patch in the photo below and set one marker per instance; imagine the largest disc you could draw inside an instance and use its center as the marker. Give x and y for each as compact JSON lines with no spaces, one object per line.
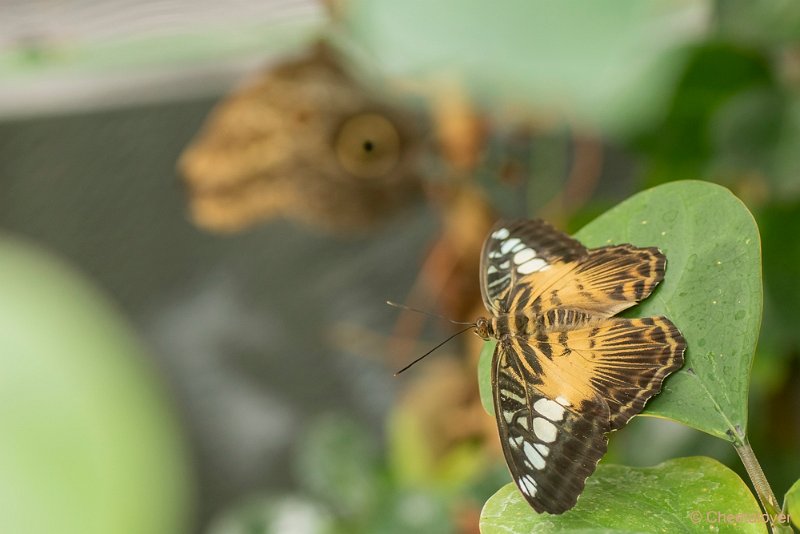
{"x":624,"y":361}
{"x":605,"y":282}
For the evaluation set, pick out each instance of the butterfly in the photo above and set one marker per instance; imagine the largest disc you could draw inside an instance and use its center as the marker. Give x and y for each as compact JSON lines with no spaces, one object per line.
{"x":305,"y":140}
{"x":566,"y":371}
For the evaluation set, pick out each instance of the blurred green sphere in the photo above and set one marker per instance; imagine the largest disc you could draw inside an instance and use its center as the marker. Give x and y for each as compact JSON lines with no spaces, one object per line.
{"x":89,"y":442}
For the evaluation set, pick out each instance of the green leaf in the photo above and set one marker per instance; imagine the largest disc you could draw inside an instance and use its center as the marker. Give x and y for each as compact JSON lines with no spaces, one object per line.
{"x":536,"y":52}
{"x":791,"y":504}
{"x":696,"y":494}
{"x":485,"y":376}
{"x":712,"y":292}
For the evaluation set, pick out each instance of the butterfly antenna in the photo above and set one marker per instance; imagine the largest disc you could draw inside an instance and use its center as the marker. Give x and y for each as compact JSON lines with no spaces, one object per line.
{"x":409,"y":308}
{"x":436,"y":347}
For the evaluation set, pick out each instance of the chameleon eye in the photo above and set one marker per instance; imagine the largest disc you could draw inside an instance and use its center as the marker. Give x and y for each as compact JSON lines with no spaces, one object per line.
{"x":368,"y":145}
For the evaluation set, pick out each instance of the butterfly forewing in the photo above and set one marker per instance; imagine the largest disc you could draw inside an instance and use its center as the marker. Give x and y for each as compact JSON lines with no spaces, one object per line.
{"x":604,"y":282}
{"x":517,"y":249}
{"x":568,"y":372}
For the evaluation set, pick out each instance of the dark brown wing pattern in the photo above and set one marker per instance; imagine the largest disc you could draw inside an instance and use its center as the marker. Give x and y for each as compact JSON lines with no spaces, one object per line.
{"x":577,"y":372}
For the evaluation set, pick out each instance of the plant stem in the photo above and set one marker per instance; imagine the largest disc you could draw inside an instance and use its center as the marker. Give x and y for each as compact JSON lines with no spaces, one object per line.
{"x":760,"y":484}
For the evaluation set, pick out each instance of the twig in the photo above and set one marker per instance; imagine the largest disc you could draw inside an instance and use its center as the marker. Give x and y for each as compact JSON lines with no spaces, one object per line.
{"x":760,"y":484}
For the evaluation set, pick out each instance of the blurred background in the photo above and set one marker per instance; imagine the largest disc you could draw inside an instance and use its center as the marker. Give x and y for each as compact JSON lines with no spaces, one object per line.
{"x":204,"y":207}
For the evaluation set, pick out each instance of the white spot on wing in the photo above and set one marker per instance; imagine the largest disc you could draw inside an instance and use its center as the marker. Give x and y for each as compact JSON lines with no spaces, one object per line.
{"x":491,"y":270}
{"x":542,"y":448}
{"x":531,"y":266}
{"x":550,"y":409}
{"x":527,"y":485}
{"x":502,"y":233}
{"x":506,"y":264}
{"x":509,"y":244}
{"x":562,"y":401}
{"x":524,"y":255}
{"x":544,"y":429}
{"x":533,"y":457}
{"x":523,"y":422}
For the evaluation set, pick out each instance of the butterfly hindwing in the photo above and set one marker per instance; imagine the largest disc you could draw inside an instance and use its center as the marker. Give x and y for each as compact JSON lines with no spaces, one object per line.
{"x":551,"y":446}
{"x":623,"y":361}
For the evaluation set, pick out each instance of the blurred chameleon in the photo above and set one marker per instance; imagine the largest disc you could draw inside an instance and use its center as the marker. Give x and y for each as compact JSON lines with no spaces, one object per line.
{"x":307,"y":141}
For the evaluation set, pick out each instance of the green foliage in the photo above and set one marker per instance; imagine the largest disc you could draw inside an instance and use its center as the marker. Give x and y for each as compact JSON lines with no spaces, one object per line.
{"x":338,"y":465}
{"x":783,"y":170}
{"x":414,"y":462}
{"x":682,"y":495}
{"x":344,"y":486}
{"x":700,"y":118}
{"x":761,"y":23}
{"x":779,"y":224}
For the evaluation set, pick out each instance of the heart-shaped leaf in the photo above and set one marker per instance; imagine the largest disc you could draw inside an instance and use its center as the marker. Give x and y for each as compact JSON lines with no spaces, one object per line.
{"x":712,"y":292}
{"x":695,"y":494}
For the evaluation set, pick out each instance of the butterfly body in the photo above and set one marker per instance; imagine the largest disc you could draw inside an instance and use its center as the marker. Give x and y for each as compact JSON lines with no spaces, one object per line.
{"x":530,"y":323}
{"x":565,"y":371}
